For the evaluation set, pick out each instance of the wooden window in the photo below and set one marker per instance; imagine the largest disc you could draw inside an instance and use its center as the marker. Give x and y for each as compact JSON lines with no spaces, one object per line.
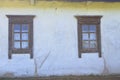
{"x":89,"y":38}
{"x":20,"y":35}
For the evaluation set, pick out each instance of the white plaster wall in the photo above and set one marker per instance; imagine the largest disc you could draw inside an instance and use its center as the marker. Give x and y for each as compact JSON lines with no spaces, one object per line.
{"x":55,"y":44}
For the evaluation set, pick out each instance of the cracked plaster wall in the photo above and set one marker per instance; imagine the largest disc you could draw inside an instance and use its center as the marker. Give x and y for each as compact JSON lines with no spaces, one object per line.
{"x":55,"y":44}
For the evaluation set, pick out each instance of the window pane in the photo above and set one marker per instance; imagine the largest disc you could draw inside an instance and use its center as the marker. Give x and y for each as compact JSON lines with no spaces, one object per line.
{"x":92,"y":36}
{"x":93,"y":44}
{"x":24,"y":36}
{"x":92,"y":28}
{"x":84,"y":28}
{"x":24,"y":27}
{"x":16,"y":44}
{"x":24,"y":44}
{"x":85,"y":44}
{"x":85,"y":36}
{"x":16,"y":36}
{"x":16,"y":27}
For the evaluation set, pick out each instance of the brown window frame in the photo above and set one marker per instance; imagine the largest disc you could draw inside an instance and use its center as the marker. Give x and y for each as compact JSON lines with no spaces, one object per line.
{"x":89,"y":20}
{"x":20,"y":19}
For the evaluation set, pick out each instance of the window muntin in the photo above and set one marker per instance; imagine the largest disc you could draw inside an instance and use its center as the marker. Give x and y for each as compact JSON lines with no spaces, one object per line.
{"x":89,"y":38}
{"x":20,"y":34}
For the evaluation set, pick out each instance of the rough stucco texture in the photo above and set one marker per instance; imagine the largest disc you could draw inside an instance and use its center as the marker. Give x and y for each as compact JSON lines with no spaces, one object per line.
{"x":55,"y":44}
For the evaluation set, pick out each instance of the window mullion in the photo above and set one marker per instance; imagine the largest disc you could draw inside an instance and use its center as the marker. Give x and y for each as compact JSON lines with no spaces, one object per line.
{"x":17,"y":44}
{"x":89,"y":36}
{"x":20,"y":36}
{"x":93,"y":37}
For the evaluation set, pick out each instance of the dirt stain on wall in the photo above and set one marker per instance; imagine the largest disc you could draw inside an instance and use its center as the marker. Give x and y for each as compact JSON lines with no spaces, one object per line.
{"x":61,"y":4}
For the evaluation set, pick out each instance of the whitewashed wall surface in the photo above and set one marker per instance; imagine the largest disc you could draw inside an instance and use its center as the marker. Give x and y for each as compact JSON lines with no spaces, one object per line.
{"x":55,"y":44}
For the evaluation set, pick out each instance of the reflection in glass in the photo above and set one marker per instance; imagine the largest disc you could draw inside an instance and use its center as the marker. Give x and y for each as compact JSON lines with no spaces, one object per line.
{"x":93,"y":44}
{"x":24,"y":36}
{"x":84,"y":28}
{"x":16,"y":44}
{"x":16,"y":28}
{"x":24,"y":27}
{"x":85,"y":36}
{"x":92,"y":28}
{"x":16,"y":36}
{"x":24,"y":44}
{"x":92,"y":36}
{"x":85,"y":44}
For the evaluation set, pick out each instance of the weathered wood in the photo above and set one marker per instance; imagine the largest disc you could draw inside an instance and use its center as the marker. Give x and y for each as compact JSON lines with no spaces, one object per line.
{"x":20,"y":19}
{"x":88,"y":20}
{"x":83,"y":0}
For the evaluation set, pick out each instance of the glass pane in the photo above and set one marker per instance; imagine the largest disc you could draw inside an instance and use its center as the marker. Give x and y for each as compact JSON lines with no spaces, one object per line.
{"x":84,"y":28}
{"x":16,"y":27}
{"x":92,"y":28}
{"x":24,"y":44}
{"x":93,"y":44}
{"x":24,"y":36}
{"x":16,"y":44}
{"x":92,"y":36}
{"x":24,"y":27}
{"x":16,"y":36}
{"x":85,"y":44}
{"x":85,"y":36}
